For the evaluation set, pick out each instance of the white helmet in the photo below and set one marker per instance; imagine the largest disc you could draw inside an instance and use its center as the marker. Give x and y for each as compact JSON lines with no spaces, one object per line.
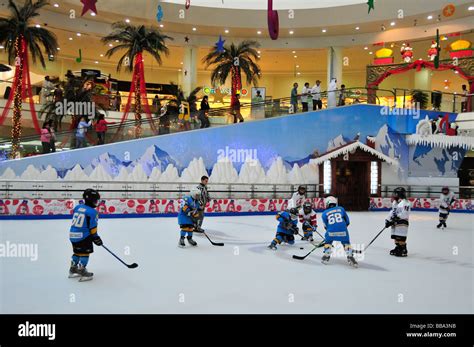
{"x":330,"y":200}
{"x":195,"y":193}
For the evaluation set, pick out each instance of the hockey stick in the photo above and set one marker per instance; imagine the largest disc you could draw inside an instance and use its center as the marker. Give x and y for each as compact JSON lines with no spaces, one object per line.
{"x":131,"y":266}
{"x":212,"y":242}
{"x":321,"y":244}
{"x":359,"y":251}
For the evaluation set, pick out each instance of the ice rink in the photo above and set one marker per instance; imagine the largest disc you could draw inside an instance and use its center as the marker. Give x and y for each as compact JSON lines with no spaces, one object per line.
{"x":243,"y":276}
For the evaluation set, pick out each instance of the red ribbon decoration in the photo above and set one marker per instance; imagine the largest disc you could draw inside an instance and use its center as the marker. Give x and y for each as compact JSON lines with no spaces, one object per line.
{"x":273,"y":21}
{"x":138,"y":77}
{"x":187,"y":4}
{"x":27,"y":91}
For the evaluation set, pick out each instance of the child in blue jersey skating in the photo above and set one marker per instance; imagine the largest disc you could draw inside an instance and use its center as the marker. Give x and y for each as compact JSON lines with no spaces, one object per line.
{"x":287,"y":228}
{"x":188,"y":217}
{"x":83,"y":234}
{"x":336,"y":221}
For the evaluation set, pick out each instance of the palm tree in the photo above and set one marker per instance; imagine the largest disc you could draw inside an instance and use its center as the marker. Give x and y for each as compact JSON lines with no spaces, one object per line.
{"x":136,"y":40}
{"x":179,"y":97}
{"x":234,"y":59}
{"x":18,"y":35}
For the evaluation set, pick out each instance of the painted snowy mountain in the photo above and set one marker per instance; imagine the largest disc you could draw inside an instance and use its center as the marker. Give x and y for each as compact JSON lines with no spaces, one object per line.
{"x":109,"y":162}
{"x":337,"y":142}
{"x":436,"y":161}
{"x":390,"y":143}
{"x":300,"y":162}
{"x":154,"y":157}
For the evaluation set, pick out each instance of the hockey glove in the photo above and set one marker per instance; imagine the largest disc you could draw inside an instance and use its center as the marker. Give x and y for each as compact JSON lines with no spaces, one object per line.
{"x":97,"y":241}
{"x":388,"y":223}
{"x":294,"y":229}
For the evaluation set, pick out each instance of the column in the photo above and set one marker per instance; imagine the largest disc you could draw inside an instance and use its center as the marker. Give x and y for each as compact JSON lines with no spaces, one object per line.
{"x":189,"y":69}
{"x":334,"y":68}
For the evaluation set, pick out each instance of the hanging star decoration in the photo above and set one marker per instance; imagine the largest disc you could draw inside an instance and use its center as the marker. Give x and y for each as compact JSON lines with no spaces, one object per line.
{"x":371,"y":5}
{"x":88,"y":5}
{"x":186,"y":39}
{"x":219,"y":96}
{"x":220,"y":45}
{"x":447,"y":84}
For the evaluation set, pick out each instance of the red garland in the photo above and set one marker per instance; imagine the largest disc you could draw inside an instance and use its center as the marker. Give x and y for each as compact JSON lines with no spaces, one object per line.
{"x":273,"y":21}
{"x":26,"y":88}
{"x":138,"y":74}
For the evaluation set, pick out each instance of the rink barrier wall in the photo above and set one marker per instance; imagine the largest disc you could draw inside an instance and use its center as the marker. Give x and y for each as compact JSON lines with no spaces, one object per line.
{"x":148,"y":208}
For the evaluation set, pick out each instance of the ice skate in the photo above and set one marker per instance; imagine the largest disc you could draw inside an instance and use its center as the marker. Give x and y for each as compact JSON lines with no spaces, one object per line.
{"x":181,"y":242}
{"x":440,"y":225}
{"x":403,"y":251}
{"x":272,"y":246}
{"x":73,"y":272}
{"x":304,"y":238}
{"x":325,"y":259}
{"x":352,"y":262}
{"x":84,"y":274}
{"x":191,"y":241}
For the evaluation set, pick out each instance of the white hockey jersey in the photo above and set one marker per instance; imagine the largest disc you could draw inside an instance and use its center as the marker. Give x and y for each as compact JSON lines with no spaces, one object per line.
{"x":310,"y":218}
{"x":445,"y":202}
{"x":297,"y":200}
{"x":400,"y":212}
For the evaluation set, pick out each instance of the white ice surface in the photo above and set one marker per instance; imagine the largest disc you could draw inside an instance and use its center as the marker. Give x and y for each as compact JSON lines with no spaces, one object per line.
{"x":243,"y":276}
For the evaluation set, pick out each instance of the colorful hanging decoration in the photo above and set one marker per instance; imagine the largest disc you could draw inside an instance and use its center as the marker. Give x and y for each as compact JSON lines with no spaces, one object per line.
{"x":187,"y":4}
{"x":88,"y":5}
{"x":273,"y":21}
{"x":371,"y":5}
{"x":438,"y":50}
{"x":220,"y":45}
{"x":159,"y":14}
{"x":384,"y":56}
{"x":460,"y":49}
{"x":186,"y":39}
{"x":407,"y":52}
{"x":449,"y":10}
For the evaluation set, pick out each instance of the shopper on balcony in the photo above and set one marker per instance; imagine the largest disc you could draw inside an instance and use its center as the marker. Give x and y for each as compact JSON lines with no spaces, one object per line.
{"x":342,"y":96}
{"x":294,"y":98}
{"x":204,"y":113}
{"x":101,"y":128}
{"x":305,"y":94}
{"x":464,"y":94}
{"x":52,"y":142}
{"x":117,"y":101}
{"x":156,"y":104}
{"x":46,"y":89}
{"x":81,"y":132}
{"x":316,"y":93}
{"x":46,"y":138}
{"x":236,"y":110}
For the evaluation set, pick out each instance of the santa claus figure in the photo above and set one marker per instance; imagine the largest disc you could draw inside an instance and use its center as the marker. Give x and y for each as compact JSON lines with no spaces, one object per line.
{"x":433,"y":51}
{"x":407,"y":53}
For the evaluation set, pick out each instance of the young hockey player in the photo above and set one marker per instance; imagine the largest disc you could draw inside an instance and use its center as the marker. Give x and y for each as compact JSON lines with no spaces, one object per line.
{"x":308,"y":220}
{"x":398,"y":220}
{"x":336,"y":221}
{"x":298,"y":198}
{"x":83,"y":233}
{"x":287,"y":228}
{"x":203,"y":200}
{"x":446,"y":199}
{"x":188,"y":217}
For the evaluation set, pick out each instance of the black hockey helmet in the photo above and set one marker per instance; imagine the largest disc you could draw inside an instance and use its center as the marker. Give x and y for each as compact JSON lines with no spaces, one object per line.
{"x":307,"y":207}
{"x":91,"y":197}
{"x":302,"y":190}
{"x":293,"y":213}
{"x":445,"y":190}
{"x":399,"y":193}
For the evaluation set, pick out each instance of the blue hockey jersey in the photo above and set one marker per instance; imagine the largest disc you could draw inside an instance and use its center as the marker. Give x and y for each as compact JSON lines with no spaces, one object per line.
{"x":285,"y":218}
{"x":335,"y":221}
{"x":188,"y":204}
{"x":84,"y":223}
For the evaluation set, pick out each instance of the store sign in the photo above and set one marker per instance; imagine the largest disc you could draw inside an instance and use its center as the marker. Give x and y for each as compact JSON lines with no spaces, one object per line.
{"x":223,"y":90}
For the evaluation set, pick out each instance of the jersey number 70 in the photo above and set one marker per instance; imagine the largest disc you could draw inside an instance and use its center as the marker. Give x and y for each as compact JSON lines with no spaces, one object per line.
{"x":335,"y":218}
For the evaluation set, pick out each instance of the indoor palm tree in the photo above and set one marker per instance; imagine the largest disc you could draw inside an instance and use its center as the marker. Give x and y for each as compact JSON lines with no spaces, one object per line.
{"x":234,"y":60}
{"x":135,"y":40}
{"x":19,"y":37}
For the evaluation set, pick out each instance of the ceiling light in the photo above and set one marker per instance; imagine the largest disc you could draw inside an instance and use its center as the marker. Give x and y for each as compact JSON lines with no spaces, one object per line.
{"x":259,"y":52}
{"x":366,"y":48}
{"x":38,"y":26}
{"x":357,"y":28}
{"x":56,"y":5}
{"x":78,"y":34}
{"x":117,"y":41}
{"x":324,"y":30}
{"x":429,"y":17}
{"x":471,"y":8}
{"x":371,"y":53}
{"x":259,"y":32}
{"x":297,"y":66}
{"x":161,"y":25}
{"x":194,"y":29}
{"x":96,"y":62}
{"x":101,"y":55}
{"x":295,"y":56}
{"x":111,"y":45}
{"x":291,"y":32}
{"x":226,"y":31}
{"x":58,"y":48}
{"x":70,"y":39}
{"x":127,"y":20}
{"x":93,"y":14}
{"x":298,"y":73}
{"x":1,"y":47}
{"x":392,"y":24}
{"x":293,"y":52}
{"x":181,"y":63}
{"x":180,"y":70}
{"x":258,"y":56}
